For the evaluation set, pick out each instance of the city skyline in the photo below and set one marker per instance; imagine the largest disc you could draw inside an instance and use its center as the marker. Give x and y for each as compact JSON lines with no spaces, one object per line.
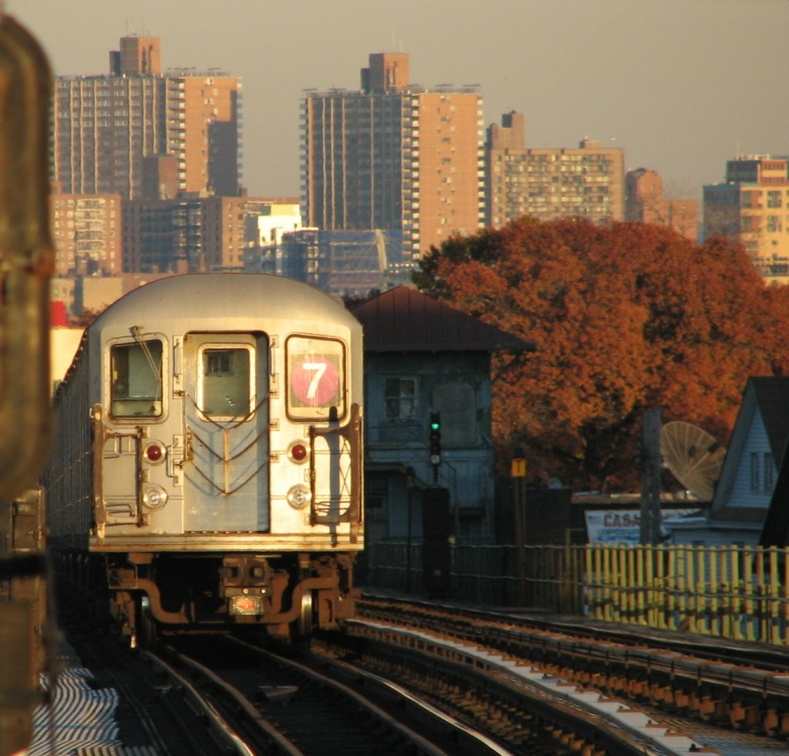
{"x":682,"y":86}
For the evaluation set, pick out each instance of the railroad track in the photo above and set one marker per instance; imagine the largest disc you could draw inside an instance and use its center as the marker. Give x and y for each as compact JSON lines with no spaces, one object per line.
{"x":417,"y":678}
{"x":158,"y":710}
{"x":283,"y":705}
{"x":526,"y":710}
{"x":737,"y":687}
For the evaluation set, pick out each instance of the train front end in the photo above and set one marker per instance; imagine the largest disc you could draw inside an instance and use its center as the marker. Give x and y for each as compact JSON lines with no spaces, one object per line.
{"x":226,"y":454}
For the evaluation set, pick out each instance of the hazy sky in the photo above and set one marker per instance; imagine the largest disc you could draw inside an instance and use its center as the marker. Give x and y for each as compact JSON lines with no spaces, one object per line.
{"x":681,"y":85}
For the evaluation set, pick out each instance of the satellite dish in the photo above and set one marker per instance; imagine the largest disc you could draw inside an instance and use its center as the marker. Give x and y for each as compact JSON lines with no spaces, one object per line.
{"x":694,"y":457}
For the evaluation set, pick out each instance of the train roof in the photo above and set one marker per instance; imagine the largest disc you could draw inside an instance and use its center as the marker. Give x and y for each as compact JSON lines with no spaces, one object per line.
{"x":228,"y":296}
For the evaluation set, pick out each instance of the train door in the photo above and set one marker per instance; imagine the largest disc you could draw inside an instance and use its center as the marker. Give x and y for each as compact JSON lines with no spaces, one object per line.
{"x":226,"y":423}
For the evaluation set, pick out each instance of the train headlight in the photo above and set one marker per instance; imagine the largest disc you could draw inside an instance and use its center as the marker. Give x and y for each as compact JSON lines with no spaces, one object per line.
{"x":154,"y":452}
{"x":154,"y":497}
{"x":246,"y":604}
{"x":298,"y":451}
{"x":299,"y":497}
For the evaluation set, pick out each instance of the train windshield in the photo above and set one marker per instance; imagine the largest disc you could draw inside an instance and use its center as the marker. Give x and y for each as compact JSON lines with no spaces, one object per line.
{"x":136,"y":385}
{"x":316,"y":378}
{"x":226,"y":380}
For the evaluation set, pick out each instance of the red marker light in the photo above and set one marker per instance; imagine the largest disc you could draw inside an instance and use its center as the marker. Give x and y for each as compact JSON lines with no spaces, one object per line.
{"x":298,"y":452}
{"x":154,"y":452}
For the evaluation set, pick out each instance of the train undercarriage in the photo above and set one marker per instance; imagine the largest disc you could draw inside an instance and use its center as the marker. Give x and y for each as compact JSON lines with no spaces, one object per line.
{"x":286,"y":595}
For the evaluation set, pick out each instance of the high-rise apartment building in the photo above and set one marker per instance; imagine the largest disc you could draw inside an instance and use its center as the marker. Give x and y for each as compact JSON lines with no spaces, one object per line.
{"x":393,"y":156}
{"x":644,"y":202}
{"x":752,"y":205}
{"x":549,"y":183}
{"x":111,"y":132}
{"x":188,"y":234}
{"x":86,"y":231}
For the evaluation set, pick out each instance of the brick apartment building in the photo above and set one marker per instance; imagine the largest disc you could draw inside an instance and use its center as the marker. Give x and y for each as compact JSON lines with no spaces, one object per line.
{"x":86,"y":232}
{"x":751,"y":205}
{"x":393,"y":156}
{"x":644,"y":201}
{"x":106,"y":127}
{"x":549,"y":183}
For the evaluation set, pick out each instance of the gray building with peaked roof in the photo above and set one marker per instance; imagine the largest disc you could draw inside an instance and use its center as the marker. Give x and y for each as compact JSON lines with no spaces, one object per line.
{"x":750,"y":469}
{"x":423,"y":357}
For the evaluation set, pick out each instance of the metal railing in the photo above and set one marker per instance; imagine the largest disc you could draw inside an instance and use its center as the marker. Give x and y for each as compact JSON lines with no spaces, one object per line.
{"x":740,"y":593}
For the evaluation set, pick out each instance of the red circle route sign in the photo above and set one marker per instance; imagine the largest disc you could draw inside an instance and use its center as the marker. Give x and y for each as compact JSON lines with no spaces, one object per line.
{"x":315,"y":380}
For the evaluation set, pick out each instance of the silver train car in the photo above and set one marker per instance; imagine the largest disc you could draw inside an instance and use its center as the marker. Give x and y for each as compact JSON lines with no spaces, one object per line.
{"x":207,"y":467}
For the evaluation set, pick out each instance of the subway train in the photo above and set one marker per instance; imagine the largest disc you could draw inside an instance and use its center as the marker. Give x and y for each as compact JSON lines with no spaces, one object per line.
{"x":207,"y":463}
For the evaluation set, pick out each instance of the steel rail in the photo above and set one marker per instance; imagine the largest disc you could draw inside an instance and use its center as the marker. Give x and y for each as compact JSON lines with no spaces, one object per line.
{"x":640,"y":664}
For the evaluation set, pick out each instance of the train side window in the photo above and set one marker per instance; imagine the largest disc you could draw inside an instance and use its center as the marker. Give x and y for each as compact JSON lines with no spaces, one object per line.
{"x":136,"y":379}
{"x":316,"y":378}
{"x":225,"y":381}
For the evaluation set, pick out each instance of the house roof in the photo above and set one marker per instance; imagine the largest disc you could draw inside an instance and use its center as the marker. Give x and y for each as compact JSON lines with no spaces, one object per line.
{"x":405,"y":320}
{"x":775,"y":531}
{"x":765,"y":398}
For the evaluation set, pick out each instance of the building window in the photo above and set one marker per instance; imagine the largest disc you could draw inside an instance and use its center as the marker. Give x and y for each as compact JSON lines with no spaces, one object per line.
{"x":762,"y":472}
{"x":376,"y":493}
{"x":774,"y":199}
{"x":769,"y":473}
{"x":400,"y":397}
{"x":754,"y":472}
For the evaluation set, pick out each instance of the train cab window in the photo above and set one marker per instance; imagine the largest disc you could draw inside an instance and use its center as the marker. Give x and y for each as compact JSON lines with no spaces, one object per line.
{"x":136,"y":379}
{"x":226,"y":380}
{"x":316,"y":378}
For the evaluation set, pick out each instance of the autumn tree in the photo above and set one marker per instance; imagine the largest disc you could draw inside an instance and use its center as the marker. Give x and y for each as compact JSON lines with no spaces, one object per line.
{"x":626,"y":317}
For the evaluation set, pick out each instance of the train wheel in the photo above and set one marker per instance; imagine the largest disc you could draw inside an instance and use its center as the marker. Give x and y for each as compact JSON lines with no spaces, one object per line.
{"x":306,"y":621}
{"x":145,"y":627}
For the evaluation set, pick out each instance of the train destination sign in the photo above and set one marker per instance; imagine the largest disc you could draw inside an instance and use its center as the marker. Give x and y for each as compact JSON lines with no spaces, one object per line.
{"x":315,"y":380}
{"x":316,"y":387}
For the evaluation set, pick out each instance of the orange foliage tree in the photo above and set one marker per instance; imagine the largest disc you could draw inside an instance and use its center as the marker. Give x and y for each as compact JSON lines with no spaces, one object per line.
{"x":626,"y":317}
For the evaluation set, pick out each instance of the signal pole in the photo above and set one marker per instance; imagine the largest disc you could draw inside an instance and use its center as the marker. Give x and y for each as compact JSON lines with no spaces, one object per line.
{"x":435,"y":443}
{"x":518,"y":474}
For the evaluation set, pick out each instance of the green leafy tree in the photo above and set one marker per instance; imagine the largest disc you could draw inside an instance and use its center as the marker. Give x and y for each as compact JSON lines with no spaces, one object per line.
{"x":626,"y":317}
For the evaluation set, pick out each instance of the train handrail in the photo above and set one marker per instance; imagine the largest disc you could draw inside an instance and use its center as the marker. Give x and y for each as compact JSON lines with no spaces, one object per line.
{"x":352,"y":433}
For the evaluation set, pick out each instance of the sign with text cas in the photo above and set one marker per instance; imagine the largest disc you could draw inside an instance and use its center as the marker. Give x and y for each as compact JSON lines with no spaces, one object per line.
{"x":518,"y":468}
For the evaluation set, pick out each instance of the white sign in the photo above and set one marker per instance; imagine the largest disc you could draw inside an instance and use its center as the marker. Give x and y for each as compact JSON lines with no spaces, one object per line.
{"x":621,"y":525}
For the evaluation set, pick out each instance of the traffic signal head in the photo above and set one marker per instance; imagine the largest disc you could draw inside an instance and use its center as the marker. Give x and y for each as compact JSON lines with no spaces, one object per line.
{"x":435,"y":438}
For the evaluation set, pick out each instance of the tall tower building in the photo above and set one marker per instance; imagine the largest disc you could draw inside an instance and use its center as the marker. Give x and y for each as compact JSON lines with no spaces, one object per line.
{"x":552,"y":182}
{"x":751,"y":205}
{"x":644,"y":201}
{"x":107,"y":130}
{"x":393,"y":156}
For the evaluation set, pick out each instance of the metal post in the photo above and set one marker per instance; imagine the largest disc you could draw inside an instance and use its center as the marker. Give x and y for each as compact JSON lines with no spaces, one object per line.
{"x":409,"y":484}
{"x":650,"y":478}
{"x":518,"y":472}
